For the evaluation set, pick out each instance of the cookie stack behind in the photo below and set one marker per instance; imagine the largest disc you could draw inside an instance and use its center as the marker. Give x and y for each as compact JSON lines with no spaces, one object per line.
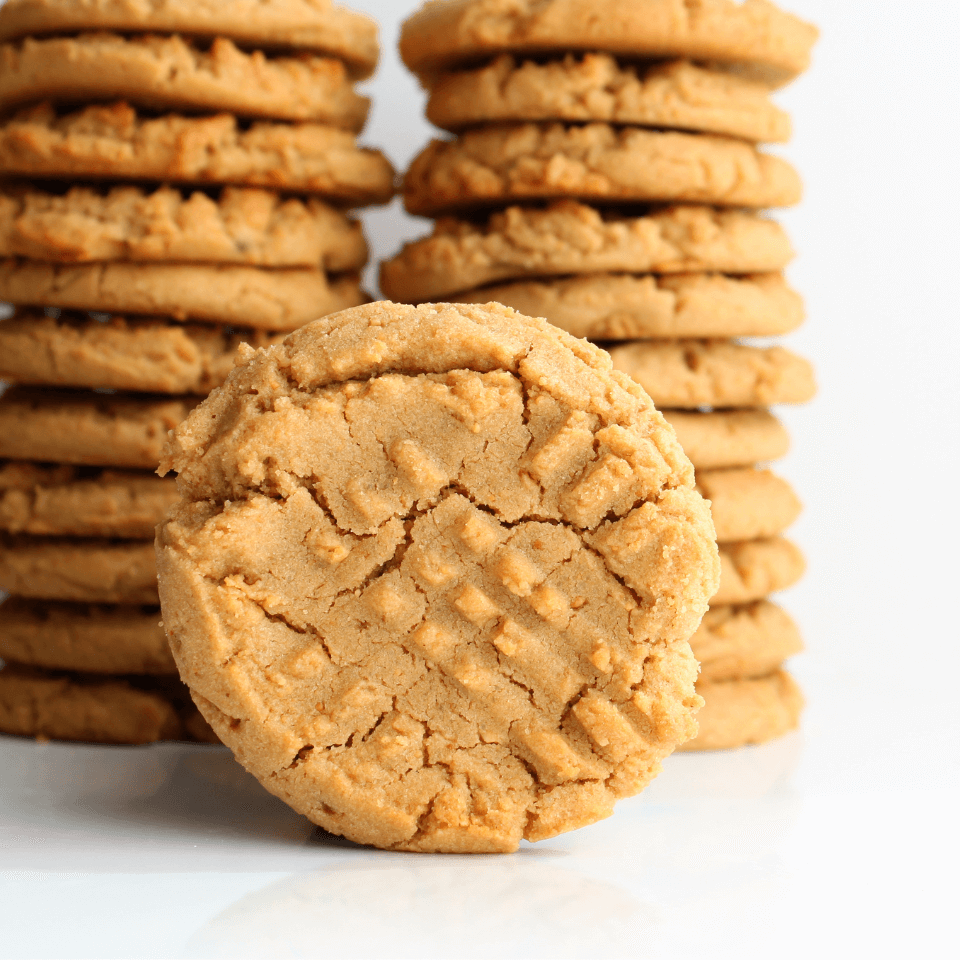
{"x":176,"y":178}
{"x":604,"y":173}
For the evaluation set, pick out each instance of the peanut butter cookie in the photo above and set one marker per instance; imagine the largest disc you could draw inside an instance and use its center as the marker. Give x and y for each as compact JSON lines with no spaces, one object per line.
{"x":71,"y":501}
{"x":570,"y":237}
{"x":747,"y":503}
{"x":449,"y":609}
{"x":756,"y":32}
{"x":319,"y":25}
{"x":504,"y":163}
{"x":752,"y":569}
{"x":146,"y":354}
{"x":729,"y":438}
{"x":280,"y":299}
{"x":739,"y":712}
{"x":84,"y":637}
{"x":676,"y":95}
{"x":87,"y":571}
{"x":241,"y":226}
{"x":612,"y":306}
{"x":115,"y":142}
{"x":163,"y":73}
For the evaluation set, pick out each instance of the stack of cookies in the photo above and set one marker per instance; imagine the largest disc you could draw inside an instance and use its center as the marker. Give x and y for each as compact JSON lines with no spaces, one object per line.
{"x":604,"y":173}
{"x":176,"y":180}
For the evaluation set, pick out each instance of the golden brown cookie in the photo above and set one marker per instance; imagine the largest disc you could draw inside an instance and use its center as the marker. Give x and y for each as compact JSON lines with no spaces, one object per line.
{"x":729,"y":438}
{"x":146,"y":354}
{"x":84,"y":637}
{"x":755,"y":32}
{"x":86,"y":428}
{"x":752,"y":569}
{"x":281,"y":299}
{"x":116,"y":143}
{"x":739,"y":712}
{"x":676,"y":95}
{"x":319,"y":25}
{"x":61,"y":500}
{"x":65,"y":706}
{"x":505,"y":163}
{"x":163,"y":73}
{"x":610,"y":306}
{"x":569,"y":237}
{"x":464,"y":579}
{"x":748,"y":503}
{"x":738,"y":643}
{"x":688,"y":374}
{"x":241,"y":225}
{"x":85,"y":571}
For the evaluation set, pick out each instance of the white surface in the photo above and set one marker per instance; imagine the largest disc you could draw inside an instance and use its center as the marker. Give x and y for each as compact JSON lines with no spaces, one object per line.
{"x":840,"y":841}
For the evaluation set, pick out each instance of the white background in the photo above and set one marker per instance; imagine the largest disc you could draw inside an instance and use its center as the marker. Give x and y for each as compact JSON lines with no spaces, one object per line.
{"x":838,"y":841}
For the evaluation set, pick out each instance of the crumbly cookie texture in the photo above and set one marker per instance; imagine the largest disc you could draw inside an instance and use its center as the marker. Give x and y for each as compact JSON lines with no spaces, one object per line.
{"x":743,"y":642}
{"x":85,"y":571}
{"x":570,"y":237}
{"x":164,"y":73}
{"x":240,"y":225}
{"x":739,"y":712}
{"x":729,"y":438}
{"x":613,"y":306}
{"x":90,"y":638}
{"x":447,"y":32}
{"x":104,"y":430}
{"x":64,"y":706}
{"x":675,"y":95}
{"x":715,"y":373}
{"x":279,"y":299}
{"x":318,"y":25}
{"x":753,"y":569}
{"x":62,"y":500}
{"x":451,"y":609}
{"x":146,"y":354}
{"x":596,"y":161}
{"x":115,"y":142}
{"x":748,"y":503}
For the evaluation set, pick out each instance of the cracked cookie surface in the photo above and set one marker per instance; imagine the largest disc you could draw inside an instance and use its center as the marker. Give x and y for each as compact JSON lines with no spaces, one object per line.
{"x":433,"y":576}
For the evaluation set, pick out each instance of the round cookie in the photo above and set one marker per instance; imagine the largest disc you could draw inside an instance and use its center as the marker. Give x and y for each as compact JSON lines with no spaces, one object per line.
{"x":690,"y":374}
{"x":753,"y":569}
{"x":597,"y":162}
{"x":163,"y":73}
{"x":738,"y":643}
{"x":747,"y":503}
{"x":242,"y":296}
{"x":756,"y":33}
{"x":317,"y":25}
{"x":120,"y":353}
{"x":729,"y":438}
{"x":676,"y":95}
{"x":69,"y":501}
{"x":84,"y":637}
{"x":104,"y":430}
{"x":609,"y":306}
{"x":115,"y":142}
{"x":240,"y":226}
{"x":464,"y":579}
{"x":569,"y":237}
{"x":84,"y":571}
{"x":739,"y":712}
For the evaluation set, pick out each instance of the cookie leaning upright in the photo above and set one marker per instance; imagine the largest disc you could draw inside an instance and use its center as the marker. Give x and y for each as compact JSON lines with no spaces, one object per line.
{"x":124,"y":110}
{"x":607,"y":172}
{"x":451,"y":609}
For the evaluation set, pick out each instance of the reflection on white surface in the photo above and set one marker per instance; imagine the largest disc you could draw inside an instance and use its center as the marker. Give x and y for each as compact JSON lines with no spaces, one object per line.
{"x":423,"y":906}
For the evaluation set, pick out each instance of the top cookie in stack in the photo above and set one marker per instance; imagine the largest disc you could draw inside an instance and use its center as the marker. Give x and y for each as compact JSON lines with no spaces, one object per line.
{"x":605,"y":173}
{"x":176,"y":178}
